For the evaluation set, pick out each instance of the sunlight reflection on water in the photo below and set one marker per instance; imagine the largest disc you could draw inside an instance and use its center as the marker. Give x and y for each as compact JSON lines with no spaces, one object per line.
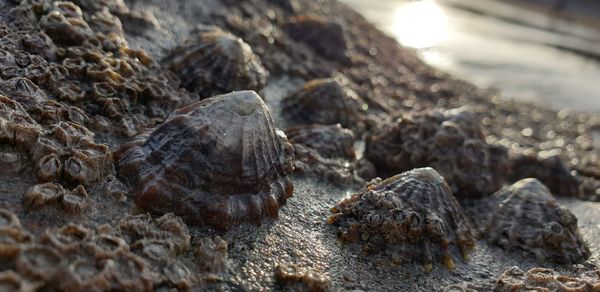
{"x":421,"y":24}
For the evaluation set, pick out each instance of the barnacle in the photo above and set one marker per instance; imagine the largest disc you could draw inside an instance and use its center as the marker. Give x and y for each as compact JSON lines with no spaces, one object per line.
{"x":326,"y":38}
{"x":227,"y":158}
{"x":212,"y":254}
{"x":215,"y":62}
{"x":410,"y":217}
{"x":542,"y":279}
{"x":85,"y":275}
{"x":75,"y":201}
{"x":48,"y":168}
{"x":39,"y":262}
{"x":106,"y":246}
{"x":65,"y":25}
{"x":16,"y":126}
{"x":67,"y":239}
{"x":325,"y":101}
{"x":130,"y":273}
{"x":9,"y":219}
{"x":155,"y":251}
{"x":449,"y":141}
{"x":41,"y":195}
{"x":12,"y":240}
{"x":529,"y":218}
{"x":11,"y":281}
{"x":13,"y":161}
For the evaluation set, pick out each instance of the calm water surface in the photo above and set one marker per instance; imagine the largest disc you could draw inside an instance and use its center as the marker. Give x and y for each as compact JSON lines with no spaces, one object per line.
{"x":526,"y":55}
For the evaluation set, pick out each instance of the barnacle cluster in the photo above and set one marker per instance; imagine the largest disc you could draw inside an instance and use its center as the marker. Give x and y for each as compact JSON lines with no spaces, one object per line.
{"x":217,"y":162}
{"x":140,"y":254}
{"x":529,"y":218}
{"x":327,"y":102}
{"x":543,"y":279}
{"x":215,"y":62}
{"x":296,"y":279}
{"x":412,"y":216}
{"x":328,"y":152}
{"x":449,"y":141}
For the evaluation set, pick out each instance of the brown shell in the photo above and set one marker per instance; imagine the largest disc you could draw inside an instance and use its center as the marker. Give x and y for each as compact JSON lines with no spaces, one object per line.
{"x":529,"y":218}
{"x":326,"y":38}
{"x":412,"y":216}
{"x":216,"y":62}
{"x":325,"y":101}
{"x":449,"y":141}
{"x":217,"y":162}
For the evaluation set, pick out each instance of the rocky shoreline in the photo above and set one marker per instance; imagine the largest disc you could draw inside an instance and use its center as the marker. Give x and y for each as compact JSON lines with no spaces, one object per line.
{"x":110,"y":110}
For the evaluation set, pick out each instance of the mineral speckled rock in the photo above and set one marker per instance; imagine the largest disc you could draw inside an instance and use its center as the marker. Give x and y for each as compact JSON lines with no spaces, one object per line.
{"x":325,"y":101}
{"x":543,"y":279}
{"x":217,"y":163}
{"x":411,"y":217}
{"x":529,"y":218}
{"x":215,"y":62}
{"x":449,"y":141}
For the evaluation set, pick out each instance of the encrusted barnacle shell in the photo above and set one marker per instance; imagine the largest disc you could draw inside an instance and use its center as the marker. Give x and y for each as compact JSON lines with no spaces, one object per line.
{"x":529,"y":218}
{"x":12,"y":240}
{"x":106,"y":246}
{"x":41,"y":195}
{"x":64,"y":25}
{"x":16,"y":126}
{"x":84,"y":275}
{"x":67,"y":239}
{"x":49,"y":168}
{"x":325,"y":101}
{"x":212,"y":254}
{"x":39,"y":262}
{"x":549,"y":169}
{"x":215,"y":62}
{"x":9,"y":219}
{"x":326,"y":38}
{"x":410,"y":217}
{"x":217,"y":162}
{"x":129,"y":273}
{"x":11,"y":281}
{"x":178,"y":276}
{"x":543,"y":279}
{"x":75,"y":201}
{"x":449,"y":141}
{"x":155,"y":251}
{"x":167,"y":227}
{"x":13,"y":162}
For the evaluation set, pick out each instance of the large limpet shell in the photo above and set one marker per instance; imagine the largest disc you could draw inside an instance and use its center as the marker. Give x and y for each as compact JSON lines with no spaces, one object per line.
{"x":215,"y":62}
{"x":217,"y":162}
{"x":529,"y":218}
{"x":326,"y":38}
{"x":412,"y":216}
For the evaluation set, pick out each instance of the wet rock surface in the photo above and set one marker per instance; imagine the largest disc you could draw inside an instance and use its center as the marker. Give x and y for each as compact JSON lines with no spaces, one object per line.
{"x":84,"y":82}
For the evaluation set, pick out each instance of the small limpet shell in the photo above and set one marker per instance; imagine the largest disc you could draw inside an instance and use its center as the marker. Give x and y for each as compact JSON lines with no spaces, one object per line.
{"x":216,"y":62}
{"x":529,"y":218}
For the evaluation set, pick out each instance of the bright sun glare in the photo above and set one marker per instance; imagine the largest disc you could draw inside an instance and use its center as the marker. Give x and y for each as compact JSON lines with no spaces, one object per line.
{"x":421,"y":24}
